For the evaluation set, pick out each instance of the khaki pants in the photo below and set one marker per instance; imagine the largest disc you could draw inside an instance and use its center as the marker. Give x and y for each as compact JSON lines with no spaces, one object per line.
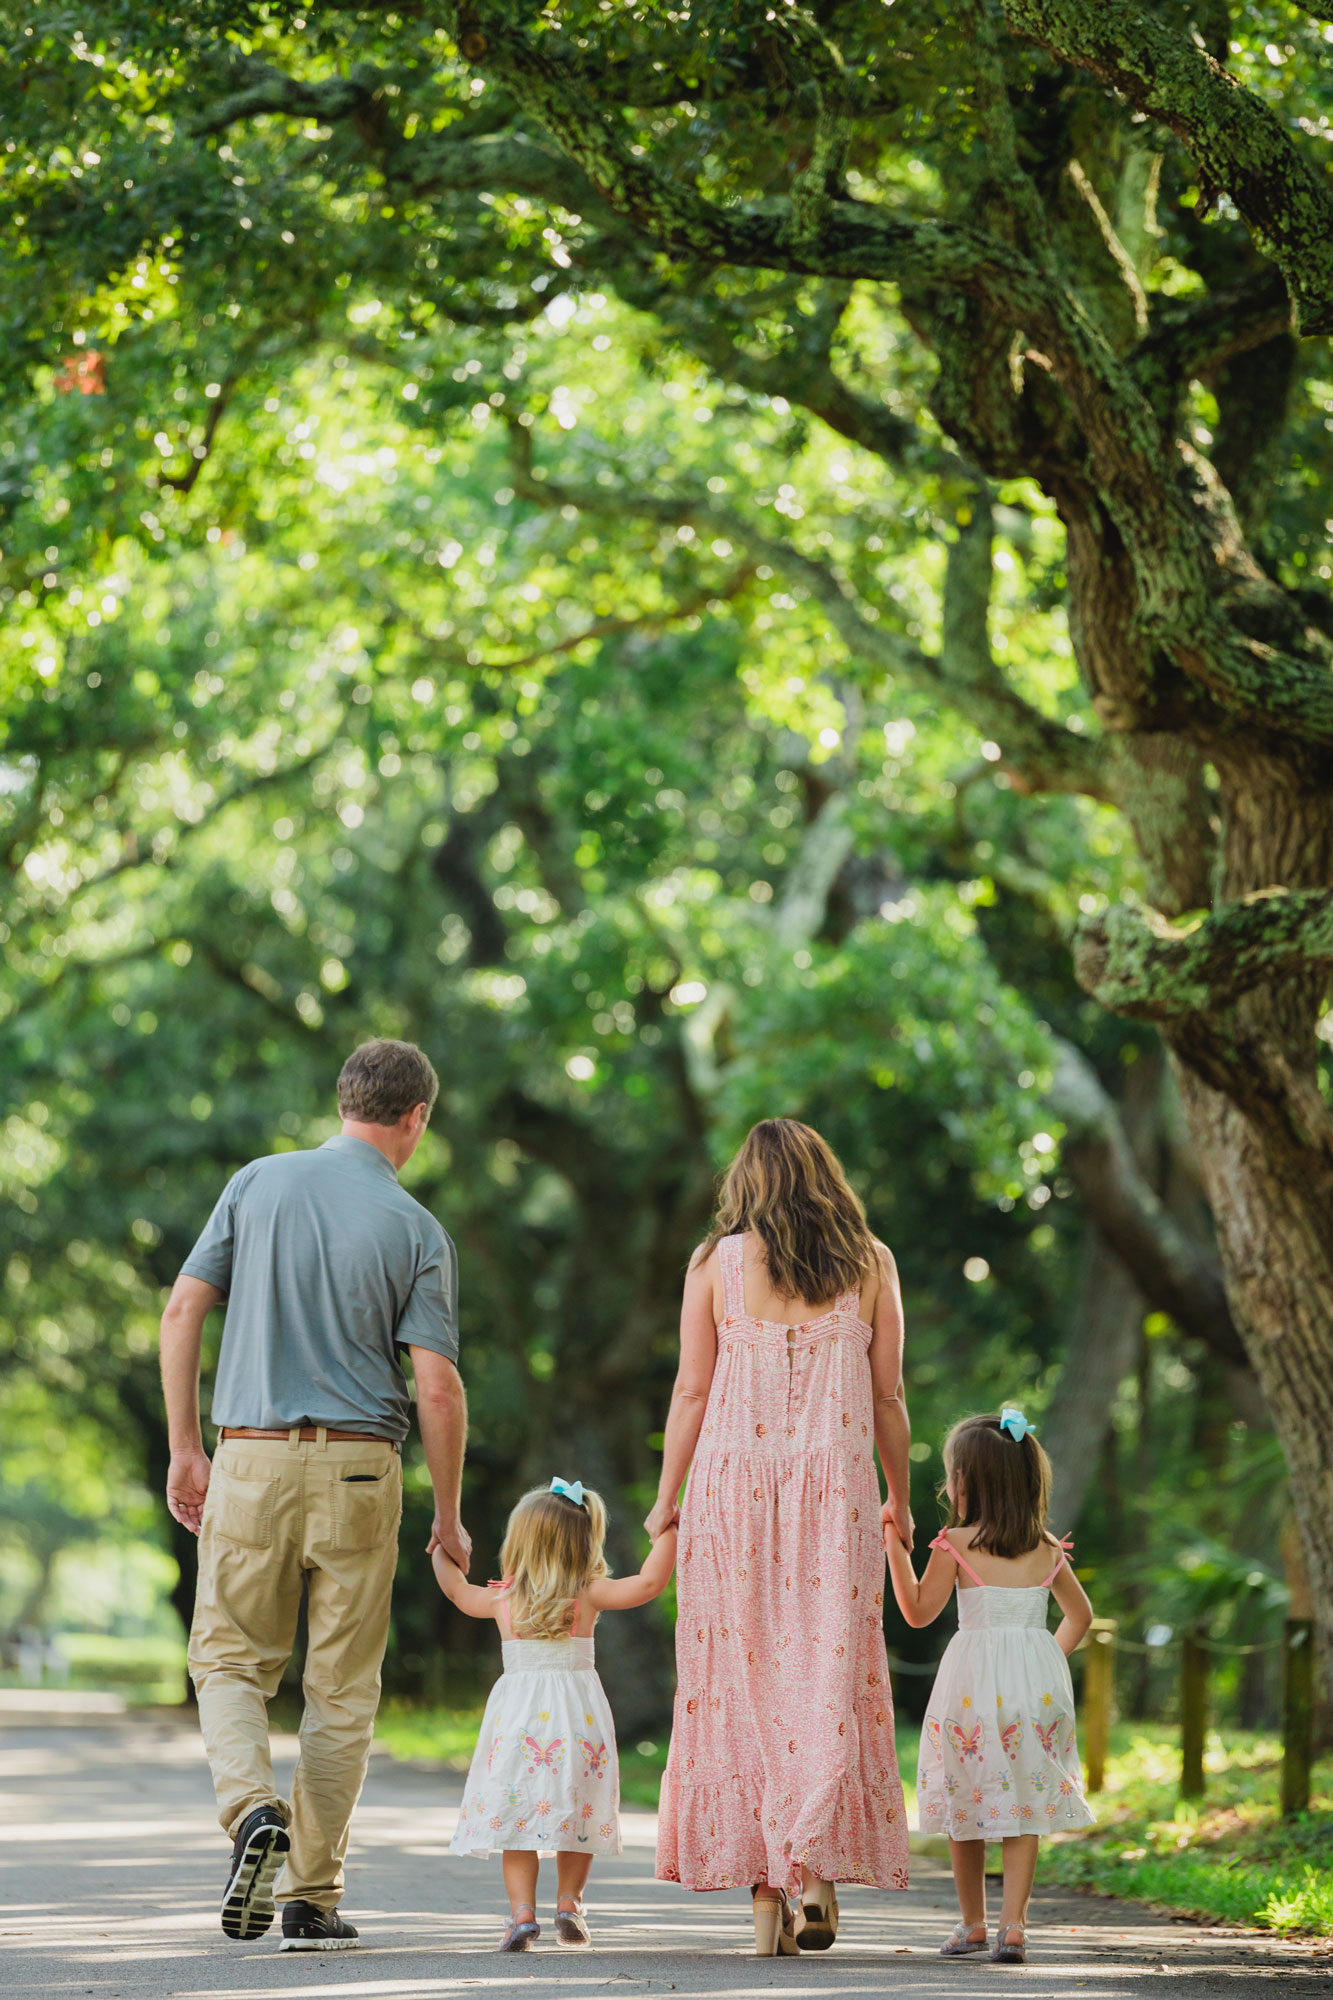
{"x":281,"y":1514}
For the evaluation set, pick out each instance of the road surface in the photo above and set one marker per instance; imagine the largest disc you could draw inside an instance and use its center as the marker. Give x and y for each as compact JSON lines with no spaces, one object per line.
{"x":111,"y":1866}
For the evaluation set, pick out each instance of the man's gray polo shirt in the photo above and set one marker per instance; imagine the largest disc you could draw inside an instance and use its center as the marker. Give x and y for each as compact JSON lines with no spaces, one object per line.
{"x":329,"y":1269}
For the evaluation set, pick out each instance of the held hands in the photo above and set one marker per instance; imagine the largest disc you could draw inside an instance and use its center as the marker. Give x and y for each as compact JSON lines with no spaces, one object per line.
{"x":895,"y":1526}
{"x":454,"y":1539}
{"x":187,"y":1484}
{"x":666,"y":1514}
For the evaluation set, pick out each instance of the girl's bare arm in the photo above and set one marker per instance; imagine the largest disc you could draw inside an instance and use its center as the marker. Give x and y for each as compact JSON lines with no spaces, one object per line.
{"x":921,"y":1599}
{"x":1072,"y":1599}
{"x":472,"y":1599}
{"x":622,"y":1593}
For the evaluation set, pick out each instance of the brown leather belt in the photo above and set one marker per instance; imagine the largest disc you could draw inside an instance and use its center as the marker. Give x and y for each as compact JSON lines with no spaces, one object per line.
{"x":308,"y":1434}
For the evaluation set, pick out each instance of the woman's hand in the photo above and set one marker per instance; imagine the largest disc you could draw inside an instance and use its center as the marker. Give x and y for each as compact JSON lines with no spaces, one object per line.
{"x":900,"y":1526}
{"x":666,"y":1514}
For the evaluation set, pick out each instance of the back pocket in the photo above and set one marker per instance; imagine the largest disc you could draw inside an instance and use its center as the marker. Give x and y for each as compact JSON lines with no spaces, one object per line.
{"x":365,"y":1509}
{"x":241,"y":1509}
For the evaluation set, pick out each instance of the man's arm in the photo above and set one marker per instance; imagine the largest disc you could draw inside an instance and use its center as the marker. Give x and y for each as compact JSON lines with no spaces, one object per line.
{"x":442,"y":1415}
{"x":188,"y":1307}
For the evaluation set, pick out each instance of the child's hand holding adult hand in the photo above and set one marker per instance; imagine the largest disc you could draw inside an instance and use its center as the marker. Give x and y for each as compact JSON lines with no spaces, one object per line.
{"x":666,"y":1514}
{"x":897,"y":1526}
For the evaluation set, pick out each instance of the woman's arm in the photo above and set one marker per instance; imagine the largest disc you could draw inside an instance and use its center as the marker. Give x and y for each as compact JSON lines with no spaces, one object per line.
{"x":689,"y":1397}
{"x":1072,"y":1599}
{"x":893,"y":1431}
{"x":920,"y":1599}
{"x":474,"y":1600}
{"x":622,"y":1593}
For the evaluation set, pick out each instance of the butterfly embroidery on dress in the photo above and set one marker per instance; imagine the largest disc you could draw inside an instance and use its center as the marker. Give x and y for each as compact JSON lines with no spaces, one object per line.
{"x":539,"y":1754}
{"x":1011,"y":1736}
{"x":594,"y":1757}
{"x":1049,"y":1736}
{"x":933,"y":1732}
{"x":967,"y":1742}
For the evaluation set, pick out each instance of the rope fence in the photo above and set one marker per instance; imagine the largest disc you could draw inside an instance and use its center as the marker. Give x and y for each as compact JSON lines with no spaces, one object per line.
{"x":1194,"y":1647}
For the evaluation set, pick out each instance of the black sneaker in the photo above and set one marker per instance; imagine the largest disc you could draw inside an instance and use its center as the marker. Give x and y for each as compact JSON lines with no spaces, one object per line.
{"x":257,"y":1853}
{"x":305,"y":1927}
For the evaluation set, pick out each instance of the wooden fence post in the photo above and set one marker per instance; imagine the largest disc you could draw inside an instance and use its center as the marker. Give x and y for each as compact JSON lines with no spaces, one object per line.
{"x":1098,"y":1692}
{"x":1297,"y":1713}
{"x":1193,"y":1713}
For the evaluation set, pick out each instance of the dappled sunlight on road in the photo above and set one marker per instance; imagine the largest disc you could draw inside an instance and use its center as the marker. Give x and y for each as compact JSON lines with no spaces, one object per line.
{"x":111,"y":1863}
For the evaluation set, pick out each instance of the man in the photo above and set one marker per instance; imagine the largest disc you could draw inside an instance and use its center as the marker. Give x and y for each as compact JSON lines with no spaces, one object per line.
{"x":329,"y":1270}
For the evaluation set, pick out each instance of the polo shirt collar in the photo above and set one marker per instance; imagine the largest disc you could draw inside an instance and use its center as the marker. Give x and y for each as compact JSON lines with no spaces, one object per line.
{"x":361,"y":1151}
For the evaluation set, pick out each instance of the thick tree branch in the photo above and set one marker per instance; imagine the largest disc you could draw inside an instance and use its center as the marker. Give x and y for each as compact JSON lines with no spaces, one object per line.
{"x":1136,"y":963}
{"x":1240,"y":143}
{"x":263,"y":91}
{"x":1173,"y":1272}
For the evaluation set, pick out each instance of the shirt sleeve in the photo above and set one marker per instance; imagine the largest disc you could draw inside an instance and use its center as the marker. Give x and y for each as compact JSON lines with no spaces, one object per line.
{"x":430,"y":1317}
{"x":211,"y":1256}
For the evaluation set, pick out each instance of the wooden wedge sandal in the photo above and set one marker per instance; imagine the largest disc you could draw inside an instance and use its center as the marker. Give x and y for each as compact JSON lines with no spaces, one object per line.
{"x":774,"y":1926}
{"x":819,"y":1904}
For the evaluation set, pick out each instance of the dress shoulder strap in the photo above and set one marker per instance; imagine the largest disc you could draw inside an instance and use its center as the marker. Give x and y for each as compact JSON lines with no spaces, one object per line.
{"x":942,"y":1541}
{"x":731,"y":1255}
{"x":1064,"y":1543}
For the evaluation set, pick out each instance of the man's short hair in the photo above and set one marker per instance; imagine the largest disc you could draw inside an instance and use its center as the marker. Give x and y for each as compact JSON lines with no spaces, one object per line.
{"x":383,"y":1079}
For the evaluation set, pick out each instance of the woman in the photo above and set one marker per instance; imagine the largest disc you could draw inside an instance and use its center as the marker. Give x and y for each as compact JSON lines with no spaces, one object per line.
{"x":781,"y":1774}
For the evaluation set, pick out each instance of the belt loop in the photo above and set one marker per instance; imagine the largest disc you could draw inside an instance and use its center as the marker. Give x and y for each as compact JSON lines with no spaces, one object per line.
{"x":293,"y":1437}
{"x":321,"y":1437}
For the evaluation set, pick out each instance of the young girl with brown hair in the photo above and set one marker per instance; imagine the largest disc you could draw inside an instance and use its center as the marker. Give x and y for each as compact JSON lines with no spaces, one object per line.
{"x":999,"y":1755}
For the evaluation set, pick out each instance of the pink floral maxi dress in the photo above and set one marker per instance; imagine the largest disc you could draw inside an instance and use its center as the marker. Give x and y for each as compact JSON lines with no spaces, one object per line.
{"x":782,"y":1746}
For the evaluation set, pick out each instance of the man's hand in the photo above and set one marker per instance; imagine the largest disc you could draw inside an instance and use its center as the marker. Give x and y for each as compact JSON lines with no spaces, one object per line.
{"x":454,"y":1539}
{"x":891,"y":1523}
{"x":666,"y":1514}
{"x":187,"y":1484}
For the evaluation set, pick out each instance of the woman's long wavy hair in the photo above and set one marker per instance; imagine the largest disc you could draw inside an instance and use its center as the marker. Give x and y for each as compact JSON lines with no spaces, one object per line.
{"x":788,"y":1186}
{"x":551,"y":1552}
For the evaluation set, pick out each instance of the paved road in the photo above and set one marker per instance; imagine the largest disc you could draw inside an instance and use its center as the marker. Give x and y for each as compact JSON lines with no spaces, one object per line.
{"x":112,"y":1864}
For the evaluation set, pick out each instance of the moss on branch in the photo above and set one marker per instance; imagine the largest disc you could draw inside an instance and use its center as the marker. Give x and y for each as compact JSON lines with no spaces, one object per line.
{"x":1135,"y":962}
{"x":1239,"y":142}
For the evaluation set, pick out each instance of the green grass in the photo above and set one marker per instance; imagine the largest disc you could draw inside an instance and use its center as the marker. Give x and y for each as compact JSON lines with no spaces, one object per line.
{"x":147,"y":1671}
{"x":1227,"y":1856}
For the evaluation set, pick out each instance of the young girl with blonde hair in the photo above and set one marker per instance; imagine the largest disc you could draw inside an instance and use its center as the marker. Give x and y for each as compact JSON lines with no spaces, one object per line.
{"x":999,"y":1754}
{"x":544,"y":1777}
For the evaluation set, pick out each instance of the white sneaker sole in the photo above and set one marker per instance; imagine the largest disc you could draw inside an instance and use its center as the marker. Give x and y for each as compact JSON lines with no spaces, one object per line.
{"x":248,"y":1907}
{"x":319,"y":1944}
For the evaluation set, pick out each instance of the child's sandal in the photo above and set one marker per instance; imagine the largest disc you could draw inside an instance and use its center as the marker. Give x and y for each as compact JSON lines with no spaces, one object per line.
{"x":960,"y":1942}
{"x":571,"y":1926}
{"x":521,"y":1933}
{"x":1010,"y":1954}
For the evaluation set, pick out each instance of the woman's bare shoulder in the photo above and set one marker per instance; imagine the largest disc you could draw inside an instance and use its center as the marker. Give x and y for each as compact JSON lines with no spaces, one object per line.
{"x":701,"y":1257}
{"x":886,"y":1265}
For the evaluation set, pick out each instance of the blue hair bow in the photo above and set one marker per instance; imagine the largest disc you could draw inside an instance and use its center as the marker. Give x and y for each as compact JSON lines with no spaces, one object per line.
{"x":569,"y":1490}
{"x":1016,"y":1424}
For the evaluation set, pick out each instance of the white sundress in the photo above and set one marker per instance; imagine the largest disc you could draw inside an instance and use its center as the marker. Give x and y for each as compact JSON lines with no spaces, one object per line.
{"x":999,"y":1747}
{"x":544,"y":1774}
